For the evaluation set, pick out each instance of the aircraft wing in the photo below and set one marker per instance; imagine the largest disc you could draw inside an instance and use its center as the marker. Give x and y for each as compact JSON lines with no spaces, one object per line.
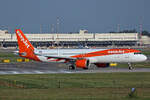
{"x":58,"y":57}
{"x":61,"y":57}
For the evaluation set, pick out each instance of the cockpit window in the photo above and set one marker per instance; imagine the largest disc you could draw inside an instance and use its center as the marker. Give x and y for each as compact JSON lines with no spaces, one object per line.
{"x":137,"y":53}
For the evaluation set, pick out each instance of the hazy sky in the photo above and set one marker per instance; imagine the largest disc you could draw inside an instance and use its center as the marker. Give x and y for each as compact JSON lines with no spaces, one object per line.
{"x":93,"y":15}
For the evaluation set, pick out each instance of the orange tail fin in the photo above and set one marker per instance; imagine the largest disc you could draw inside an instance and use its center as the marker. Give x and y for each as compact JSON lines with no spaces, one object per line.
{"x":26,"y":49}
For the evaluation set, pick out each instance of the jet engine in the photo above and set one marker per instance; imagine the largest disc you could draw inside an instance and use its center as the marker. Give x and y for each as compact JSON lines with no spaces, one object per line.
{"x":82,"y":63}
{"x":102,"y":65}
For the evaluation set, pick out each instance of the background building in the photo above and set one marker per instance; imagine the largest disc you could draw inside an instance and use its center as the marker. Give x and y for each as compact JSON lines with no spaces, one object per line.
{"x":75,"y":39}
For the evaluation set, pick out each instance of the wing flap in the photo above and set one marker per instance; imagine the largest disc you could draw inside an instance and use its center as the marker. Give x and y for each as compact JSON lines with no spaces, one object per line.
{"x":61,"y":57}
{"x":58,"y":57}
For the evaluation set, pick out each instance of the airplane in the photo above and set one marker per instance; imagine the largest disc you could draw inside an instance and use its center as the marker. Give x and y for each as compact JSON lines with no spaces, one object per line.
{"x":78,"y":58}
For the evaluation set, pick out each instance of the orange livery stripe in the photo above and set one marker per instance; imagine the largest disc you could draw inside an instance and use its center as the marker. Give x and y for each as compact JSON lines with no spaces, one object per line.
{"x":106,"y":52}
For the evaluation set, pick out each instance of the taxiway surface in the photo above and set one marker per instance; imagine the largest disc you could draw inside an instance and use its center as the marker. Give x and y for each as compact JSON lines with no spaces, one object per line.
{"x":46,"y":68}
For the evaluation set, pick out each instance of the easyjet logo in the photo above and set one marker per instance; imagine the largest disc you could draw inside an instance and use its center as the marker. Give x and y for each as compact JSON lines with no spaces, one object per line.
{"x":116,"y":51}
{"x":23,"y":40}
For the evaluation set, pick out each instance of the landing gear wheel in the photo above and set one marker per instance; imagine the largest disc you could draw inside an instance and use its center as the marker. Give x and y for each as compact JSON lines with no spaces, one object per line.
{"x":72,"y":67}
{"x":130,"y":67}
{"x":86,"y":68}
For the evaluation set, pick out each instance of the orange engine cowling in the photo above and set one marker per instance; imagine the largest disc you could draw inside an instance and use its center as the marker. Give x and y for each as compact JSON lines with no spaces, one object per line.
{"x":102,"y":65}
{"x":82,"y":63}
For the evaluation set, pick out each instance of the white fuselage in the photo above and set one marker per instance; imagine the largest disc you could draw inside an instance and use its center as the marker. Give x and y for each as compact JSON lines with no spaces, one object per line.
{"x":120,"y":58}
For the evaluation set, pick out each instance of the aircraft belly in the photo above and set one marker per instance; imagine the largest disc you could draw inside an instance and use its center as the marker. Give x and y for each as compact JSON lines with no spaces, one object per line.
{"x":112,"y":58}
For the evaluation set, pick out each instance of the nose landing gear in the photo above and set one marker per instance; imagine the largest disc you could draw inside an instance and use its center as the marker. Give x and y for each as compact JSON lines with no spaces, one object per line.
{"x":130,"y":66}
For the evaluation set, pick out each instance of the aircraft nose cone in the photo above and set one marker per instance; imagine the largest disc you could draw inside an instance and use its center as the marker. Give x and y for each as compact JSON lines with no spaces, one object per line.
{"x":144,"y":58}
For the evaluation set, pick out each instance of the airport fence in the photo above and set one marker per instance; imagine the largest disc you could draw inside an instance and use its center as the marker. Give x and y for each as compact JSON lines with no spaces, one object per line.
{"x":94,"y":86}
{"x":71,"y":83}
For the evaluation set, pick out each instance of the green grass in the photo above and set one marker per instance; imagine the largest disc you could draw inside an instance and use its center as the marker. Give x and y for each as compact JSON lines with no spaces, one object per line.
{"x":136,"y":65}
{"x":12,"y":57}
{"x":146,"y":52}
{"x":9,"y":56}
{"x":98,"y":86}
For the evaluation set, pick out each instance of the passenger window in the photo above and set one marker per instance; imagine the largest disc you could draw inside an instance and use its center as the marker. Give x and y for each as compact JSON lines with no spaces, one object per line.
{"x":137,"y":53}
{"x":40,"y":51}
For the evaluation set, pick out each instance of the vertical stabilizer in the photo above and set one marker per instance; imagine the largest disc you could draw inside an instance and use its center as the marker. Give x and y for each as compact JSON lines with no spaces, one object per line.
{"x":26,"y":49}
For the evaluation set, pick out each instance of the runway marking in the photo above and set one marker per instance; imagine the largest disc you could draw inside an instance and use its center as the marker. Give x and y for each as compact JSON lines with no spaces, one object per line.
{"x":33,"y":72}
{"x":108,"y":70}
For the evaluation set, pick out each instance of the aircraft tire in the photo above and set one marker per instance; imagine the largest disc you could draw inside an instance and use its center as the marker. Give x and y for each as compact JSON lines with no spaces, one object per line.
{"x":72,"y":67}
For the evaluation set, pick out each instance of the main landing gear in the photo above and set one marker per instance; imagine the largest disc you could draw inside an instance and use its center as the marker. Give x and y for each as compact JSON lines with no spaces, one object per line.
{"x":72,"y":67}
{"x":130,"y":66}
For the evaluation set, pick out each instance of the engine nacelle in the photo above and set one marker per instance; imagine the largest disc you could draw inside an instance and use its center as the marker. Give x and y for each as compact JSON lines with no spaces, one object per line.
{"x":82,"y":63}
{"x":102,"y":65}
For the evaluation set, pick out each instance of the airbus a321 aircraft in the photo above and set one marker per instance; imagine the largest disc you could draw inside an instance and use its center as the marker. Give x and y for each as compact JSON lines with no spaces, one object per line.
{"x":77,"y":58}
